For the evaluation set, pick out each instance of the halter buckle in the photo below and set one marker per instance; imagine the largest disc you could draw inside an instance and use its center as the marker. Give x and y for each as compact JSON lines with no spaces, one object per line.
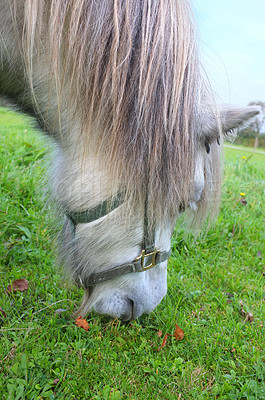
{"x":143,"y":256}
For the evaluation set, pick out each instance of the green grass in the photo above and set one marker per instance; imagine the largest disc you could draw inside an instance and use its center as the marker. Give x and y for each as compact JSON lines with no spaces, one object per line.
{"x":43,"y":355}
{"x":235,"y":153}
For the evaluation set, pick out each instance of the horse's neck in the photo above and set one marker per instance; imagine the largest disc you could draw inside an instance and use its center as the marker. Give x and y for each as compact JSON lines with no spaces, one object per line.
{"x":11,"y":70}
{"x":81,"y":176}
{"x":14,"y":82}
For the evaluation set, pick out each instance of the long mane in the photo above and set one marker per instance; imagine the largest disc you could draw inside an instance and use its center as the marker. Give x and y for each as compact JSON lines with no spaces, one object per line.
{"x":131,"y":69}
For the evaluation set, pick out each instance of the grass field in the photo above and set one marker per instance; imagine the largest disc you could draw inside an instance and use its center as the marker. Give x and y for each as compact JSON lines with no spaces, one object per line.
{"x":235,"y":153}
{"x":215,"y":284}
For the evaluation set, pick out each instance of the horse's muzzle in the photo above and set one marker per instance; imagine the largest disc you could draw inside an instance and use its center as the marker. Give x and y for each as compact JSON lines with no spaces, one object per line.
{"x":119,"y":306}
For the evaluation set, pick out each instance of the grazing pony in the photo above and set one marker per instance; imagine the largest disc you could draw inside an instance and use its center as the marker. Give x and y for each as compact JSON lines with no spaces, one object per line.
{"x":118,"y":87}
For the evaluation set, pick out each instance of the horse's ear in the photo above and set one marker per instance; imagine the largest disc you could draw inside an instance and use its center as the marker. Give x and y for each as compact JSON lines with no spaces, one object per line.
{"x":233,"y":118}
{"x":227,"y":119}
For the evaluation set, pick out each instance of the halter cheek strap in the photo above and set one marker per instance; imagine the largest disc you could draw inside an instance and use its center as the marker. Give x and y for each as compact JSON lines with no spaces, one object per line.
{"x":149,"y":256}
{"x":103,"y":209}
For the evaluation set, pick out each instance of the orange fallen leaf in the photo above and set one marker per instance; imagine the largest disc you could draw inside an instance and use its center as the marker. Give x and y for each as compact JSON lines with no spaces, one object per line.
{"x":178,"y":333}
{"x":164,"y":341}
{"x":18,"y":285}
{"x":82,"y":323}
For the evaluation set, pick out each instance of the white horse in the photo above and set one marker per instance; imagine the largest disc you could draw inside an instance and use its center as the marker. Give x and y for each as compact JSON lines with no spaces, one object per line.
{"x":118,"y":87}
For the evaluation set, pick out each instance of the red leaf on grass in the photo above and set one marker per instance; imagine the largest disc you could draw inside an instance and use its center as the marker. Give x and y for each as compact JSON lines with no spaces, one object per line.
{"x":18,"y":285}
{"x":164,"y":341}
{"x":82,"y":323}
{"x":178,"y":333}
{"x":2,"y":312}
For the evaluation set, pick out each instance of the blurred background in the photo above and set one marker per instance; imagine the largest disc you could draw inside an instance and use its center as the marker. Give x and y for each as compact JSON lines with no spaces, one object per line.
{"x":232,"y":42}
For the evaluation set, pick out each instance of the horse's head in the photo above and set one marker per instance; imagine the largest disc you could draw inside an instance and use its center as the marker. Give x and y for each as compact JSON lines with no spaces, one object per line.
{"x":118,"y":85}
{"x":118,"y":254}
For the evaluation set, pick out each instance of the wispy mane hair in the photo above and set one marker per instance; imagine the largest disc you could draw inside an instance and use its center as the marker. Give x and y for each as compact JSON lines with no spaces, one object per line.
{"x":132,"y":73}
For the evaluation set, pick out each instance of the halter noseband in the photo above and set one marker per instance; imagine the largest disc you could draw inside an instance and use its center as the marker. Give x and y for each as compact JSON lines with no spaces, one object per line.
{"x":149,"y":257}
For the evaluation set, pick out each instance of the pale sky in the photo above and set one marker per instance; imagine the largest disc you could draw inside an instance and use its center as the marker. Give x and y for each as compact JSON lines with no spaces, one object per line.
{"x":233,"y":47}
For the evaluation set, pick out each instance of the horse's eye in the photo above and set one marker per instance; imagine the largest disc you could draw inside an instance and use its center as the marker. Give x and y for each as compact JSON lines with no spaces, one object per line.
{"x":207,"y":147}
